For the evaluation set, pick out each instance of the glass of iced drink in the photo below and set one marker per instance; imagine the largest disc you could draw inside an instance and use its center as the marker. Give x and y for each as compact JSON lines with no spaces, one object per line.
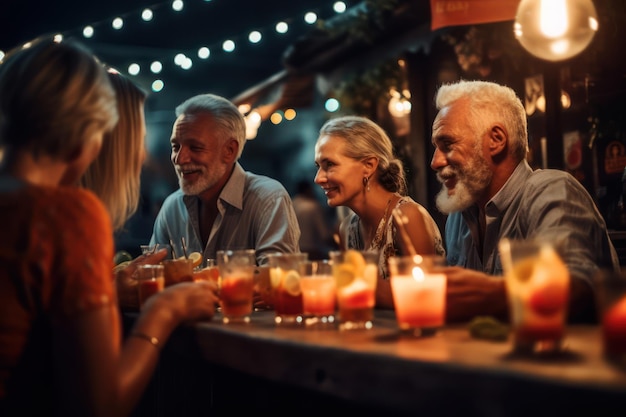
{"x":150,"y":280}
{"x":318,"y":292}
{"x":148,"y":249}
{"x":209,"y":272}
{"x":263,"y":298}
{"x":537,"y":282}
{"x":611,"y":301}
{"x":356,"y":275}
{"x":419,"y":293}
{"x":236,"y":284}
{"x":177,"y":270}
{"x":286,"y":290}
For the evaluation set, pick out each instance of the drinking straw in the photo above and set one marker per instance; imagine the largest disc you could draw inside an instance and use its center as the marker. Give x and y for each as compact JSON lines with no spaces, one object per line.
{"x":182,"y":240}
{"x":173,"y":251}
{"x":401,"y":222}
{"x":338,"y":241}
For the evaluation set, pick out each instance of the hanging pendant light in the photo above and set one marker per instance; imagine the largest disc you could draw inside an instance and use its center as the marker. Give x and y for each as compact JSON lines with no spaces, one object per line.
{"x":555,"y":30}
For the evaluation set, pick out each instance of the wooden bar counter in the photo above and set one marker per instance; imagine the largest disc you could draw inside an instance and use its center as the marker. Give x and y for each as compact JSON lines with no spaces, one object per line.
{"x":210,"y":368}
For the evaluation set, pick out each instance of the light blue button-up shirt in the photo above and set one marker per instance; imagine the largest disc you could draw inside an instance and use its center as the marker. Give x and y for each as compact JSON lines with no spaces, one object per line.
{"x":255,"y":212}
{"x":547,"y":204}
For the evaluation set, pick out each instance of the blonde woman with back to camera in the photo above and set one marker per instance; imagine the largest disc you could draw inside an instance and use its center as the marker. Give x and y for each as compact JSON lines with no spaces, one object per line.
{"x":114,"y":176}
{"x":358,"y":169}
{"x":61,"y":351}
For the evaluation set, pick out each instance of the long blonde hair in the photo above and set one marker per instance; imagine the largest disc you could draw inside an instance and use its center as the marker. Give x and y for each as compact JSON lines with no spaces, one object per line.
{"x":114,"y":176}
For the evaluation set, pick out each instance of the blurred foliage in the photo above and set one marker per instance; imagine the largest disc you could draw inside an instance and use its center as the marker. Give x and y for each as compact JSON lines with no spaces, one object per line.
{"x":362,"y":92}
{"x":368,"y":20}
{"x":481,"y":48}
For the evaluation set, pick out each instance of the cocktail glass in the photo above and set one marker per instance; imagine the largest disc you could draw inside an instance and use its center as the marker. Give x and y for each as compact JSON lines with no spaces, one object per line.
{"x":286,"y":290}
{"x":177,"y":270}
{"x":537,"y":282}
{"x":263,"y":298}
{"x":210,"y":272}
{"x":319,"y":296}
{"x":611,"y":301}
{"x":356,"y":275}
{"x":419,"y":293}
{"x":150,"y":280}
{"x":236,"y":284}
{"x":147,"y":249}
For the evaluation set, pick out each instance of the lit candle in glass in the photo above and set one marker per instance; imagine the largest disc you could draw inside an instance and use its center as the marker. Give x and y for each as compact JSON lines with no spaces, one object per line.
{"x":419,"y":293}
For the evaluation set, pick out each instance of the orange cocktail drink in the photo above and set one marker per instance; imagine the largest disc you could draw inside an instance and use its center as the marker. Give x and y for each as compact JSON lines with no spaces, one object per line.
{"x":614,"y":330}
{"x":285,"y":282}
{"x":610,"y":286}
{"x":319,"y":294}
{"x":356,"y":276}
{"x":150,"y":280}
{"x":236,"y":296}
{"x":177,"y":270}
{"x":236,"y":284}
{"x":537,"y":283}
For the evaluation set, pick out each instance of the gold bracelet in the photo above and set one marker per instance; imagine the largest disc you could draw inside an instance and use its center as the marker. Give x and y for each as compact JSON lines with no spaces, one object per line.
{"x":152,"y":340}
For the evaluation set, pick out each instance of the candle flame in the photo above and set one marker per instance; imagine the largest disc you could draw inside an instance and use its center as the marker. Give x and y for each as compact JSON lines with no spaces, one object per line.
{"x":418,"y":274}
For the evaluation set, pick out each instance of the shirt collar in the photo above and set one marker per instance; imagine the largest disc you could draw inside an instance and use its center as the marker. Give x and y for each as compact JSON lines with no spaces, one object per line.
{"x":234,"y":188}
{"x":505,"y":196}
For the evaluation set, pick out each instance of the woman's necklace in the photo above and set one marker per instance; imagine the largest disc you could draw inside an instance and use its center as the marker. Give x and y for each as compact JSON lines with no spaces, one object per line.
{"x":380,"y":230}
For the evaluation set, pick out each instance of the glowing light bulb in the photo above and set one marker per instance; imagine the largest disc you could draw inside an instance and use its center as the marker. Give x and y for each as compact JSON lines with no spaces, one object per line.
{"x":553,"y":18}
{"x":555,"y":30}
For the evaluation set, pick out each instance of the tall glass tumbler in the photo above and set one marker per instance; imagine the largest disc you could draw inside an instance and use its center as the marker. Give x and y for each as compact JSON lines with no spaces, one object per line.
{"x":236,"y":284}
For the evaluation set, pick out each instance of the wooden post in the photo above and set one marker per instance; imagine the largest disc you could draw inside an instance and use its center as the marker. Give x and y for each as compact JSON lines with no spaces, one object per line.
{"x":554,"y":131}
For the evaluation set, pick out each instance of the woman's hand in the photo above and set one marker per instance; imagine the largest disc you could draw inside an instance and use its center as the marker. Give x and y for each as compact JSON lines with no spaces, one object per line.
{"x":126,"y":282}
{"x":185,"y":301}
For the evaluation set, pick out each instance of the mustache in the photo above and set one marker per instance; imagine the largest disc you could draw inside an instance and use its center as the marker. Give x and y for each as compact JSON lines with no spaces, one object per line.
{"x":446,"y":173}
{"x":188,"y":168}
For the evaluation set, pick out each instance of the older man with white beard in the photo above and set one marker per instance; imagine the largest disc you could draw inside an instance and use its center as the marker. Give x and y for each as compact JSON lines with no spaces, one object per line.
{"x":490,"y":192}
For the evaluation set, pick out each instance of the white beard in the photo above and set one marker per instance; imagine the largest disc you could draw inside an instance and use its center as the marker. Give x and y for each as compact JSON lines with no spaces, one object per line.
{"x":461,"y":199}
{"x":203,"y":183}
{"x":471,"y":182}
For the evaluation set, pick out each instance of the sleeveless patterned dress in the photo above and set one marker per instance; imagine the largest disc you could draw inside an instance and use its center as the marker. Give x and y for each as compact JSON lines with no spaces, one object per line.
{"x":386,"y":236}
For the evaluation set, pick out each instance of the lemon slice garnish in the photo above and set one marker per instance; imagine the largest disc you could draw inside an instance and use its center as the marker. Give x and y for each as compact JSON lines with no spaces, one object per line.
{"x":355,"y":258}
{"x":196,"y":257}
{"x":276,"y":276}
{"x":344,"y":274}
{"x":291,"y":283}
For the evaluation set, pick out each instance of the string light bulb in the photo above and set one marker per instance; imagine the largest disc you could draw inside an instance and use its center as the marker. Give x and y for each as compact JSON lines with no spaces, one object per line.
{"x":555,"y":30}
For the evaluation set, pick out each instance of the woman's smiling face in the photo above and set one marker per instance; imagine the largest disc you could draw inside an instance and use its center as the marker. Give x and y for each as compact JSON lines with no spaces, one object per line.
{"x":340,"y":176}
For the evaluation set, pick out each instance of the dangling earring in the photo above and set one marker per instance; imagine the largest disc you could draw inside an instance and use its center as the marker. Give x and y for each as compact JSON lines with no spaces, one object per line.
{"x":366,"y":183}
